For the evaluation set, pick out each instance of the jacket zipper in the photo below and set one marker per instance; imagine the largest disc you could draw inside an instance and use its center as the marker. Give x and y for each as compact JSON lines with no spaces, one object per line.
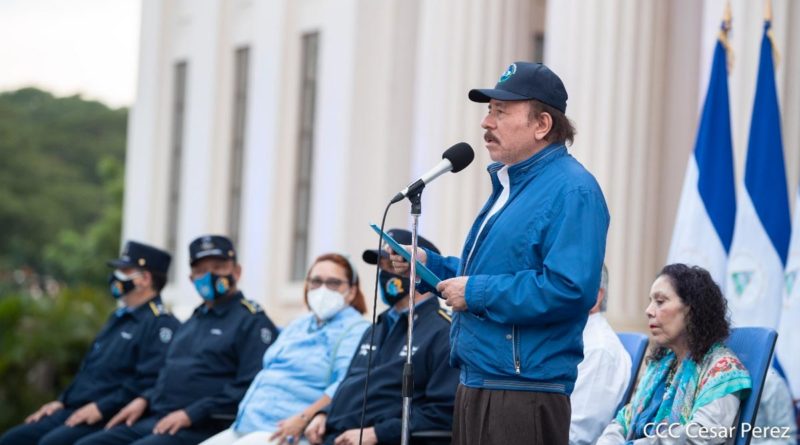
{"x":514,"y":348}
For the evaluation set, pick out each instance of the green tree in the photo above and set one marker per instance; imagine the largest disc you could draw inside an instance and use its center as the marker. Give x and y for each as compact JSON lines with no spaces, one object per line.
{"x":61,"y":183}
{"x":60,"y":157}
{"x":42,"y":342}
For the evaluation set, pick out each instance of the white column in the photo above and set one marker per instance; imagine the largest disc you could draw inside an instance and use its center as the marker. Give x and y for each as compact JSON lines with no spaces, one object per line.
{"x":462,"y":45}
{"x":378,"y":160}
{"x":332,"y":135}
{"x":197,"y":40}
{"x":144,"y":131}
{"x":257,"y":251}
{"x":614,"y":60}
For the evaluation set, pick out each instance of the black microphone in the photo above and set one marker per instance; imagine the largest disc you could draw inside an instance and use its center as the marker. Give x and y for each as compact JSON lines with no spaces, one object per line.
{"x":454,"y":159}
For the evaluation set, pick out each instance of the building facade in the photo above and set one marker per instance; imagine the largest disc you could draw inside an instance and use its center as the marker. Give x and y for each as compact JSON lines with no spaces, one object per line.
{"x":288,"y":124}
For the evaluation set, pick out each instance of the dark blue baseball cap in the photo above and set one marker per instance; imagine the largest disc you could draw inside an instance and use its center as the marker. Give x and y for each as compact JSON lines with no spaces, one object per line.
{"x":402,"y":236}
{"x":142,"y":256}
{"x":526,"y":81}
{"x":211,"y":246}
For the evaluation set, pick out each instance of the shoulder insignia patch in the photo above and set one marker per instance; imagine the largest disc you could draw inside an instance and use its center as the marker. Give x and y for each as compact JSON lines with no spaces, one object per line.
{"x":443,"y":313}
{"x":156,"y":308}
{"x":251,"y":306}
{"x":165,"y":334}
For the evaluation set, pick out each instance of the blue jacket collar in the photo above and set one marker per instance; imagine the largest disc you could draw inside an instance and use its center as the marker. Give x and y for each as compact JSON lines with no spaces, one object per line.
{"x":533,"y":164}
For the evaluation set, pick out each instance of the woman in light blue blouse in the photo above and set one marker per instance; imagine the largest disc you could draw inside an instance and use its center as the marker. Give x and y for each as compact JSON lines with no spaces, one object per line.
{"x":304,"y":366}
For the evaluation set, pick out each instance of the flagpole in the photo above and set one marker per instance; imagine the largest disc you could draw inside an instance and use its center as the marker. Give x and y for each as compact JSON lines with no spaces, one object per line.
{"x":725,"y":28}
{"x":776,"y":55}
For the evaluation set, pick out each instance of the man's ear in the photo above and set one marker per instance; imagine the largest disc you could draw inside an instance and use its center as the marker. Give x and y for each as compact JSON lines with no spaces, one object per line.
{"x":237,"y":271}
{"x":544,"y":123}
{"x":146,"y":279}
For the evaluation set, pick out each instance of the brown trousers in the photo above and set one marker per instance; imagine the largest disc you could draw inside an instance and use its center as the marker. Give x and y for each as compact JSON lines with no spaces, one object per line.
{"x":497,"y":417}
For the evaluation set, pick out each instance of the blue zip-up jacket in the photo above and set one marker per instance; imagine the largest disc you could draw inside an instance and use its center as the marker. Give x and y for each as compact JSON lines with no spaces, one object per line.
{"x":533,"y":274}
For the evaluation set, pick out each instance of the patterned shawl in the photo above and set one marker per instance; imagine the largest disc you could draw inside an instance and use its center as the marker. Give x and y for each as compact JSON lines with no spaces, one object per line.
{"x":693,"y":386}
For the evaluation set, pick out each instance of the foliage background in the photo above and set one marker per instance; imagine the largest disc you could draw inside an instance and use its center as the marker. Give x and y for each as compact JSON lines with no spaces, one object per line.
{"x":61,"y":183}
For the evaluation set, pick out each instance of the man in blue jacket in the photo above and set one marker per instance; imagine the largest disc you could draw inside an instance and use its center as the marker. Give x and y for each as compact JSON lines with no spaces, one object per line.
{"x":434,"y":380}
{"x":529,"y":271}
{"x":124,"y":358}
{"x":210,"y":364}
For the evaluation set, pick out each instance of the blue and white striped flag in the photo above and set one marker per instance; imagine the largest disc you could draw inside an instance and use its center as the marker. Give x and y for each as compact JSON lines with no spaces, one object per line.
{"x":707,"y":210}
{"x":789,"y":326}
{"x":761,"y":238}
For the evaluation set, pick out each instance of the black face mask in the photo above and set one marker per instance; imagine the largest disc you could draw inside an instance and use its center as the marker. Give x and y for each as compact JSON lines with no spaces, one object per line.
{"x":393,"y":287}
{"x":120,"y":284}
{"x":211,"y":286}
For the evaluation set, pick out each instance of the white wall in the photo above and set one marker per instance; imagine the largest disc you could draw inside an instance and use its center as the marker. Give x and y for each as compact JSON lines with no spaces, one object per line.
{"x":393,"y":77}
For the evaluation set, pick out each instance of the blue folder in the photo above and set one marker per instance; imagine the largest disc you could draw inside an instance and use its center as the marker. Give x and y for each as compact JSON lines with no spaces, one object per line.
{"x":423,"y":272}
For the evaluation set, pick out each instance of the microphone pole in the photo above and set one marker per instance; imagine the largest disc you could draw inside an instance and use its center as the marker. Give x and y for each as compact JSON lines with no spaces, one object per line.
{"x":408,"y":367}
{"x":454,"y":159}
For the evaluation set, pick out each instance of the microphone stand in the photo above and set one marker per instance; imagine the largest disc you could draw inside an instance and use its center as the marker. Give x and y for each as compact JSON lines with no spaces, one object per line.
{"x":408,"y":367}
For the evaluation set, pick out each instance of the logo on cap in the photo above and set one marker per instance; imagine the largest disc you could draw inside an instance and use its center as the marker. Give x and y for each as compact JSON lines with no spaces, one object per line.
{"x":512,"y":69}
{"x":206,"y":243}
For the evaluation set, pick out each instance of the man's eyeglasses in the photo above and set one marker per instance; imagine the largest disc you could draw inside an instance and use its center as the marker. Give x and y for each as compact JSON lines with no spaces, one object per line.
{"x":330,"y":283}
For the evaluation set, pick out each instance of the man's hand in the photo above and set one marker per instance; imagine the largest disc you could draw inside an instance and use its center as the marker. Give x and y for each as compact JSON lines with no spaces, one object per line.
{"x":88,"y":414}
{"x":289,"y":430}
{"x":315,"y":430}
{"x":350,"y":437}
{"x":172,"y":423}
{"x":400,"y":265}
{"x":46,"y":410}
{"x":454,"y":291}
{"x":130,"y":414}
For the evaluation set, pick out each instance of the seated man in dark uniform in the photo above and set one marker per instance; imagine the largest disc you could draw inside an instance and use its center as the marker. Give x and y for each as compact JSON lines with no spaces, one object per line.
{"x":434,"y":381}
{"x":124,"y":358}
{"x":209,"y":365}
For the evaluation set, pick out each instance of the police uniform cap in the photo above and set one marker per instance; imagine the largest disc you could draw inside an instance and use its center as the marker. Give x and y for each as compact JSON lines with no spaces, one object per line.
{"x":402,"y":236}
{"x":215,"y":246}
{"x":526,"y":81}
{"x":142,"y":256}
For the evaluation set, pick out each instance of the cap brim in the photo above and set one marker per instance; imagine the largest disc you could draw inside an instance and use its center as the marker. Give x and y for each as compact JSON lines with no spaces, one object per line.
{"x":487,"y":94}
{"x":371,"y":256}
{"x":216,"y":253}
{"x":120,"y":263}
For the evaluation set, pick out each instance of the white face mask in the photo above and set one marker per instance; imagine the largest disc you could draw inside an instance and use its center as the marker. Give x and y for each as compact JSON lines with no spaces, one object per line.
{"x":325,"y":303}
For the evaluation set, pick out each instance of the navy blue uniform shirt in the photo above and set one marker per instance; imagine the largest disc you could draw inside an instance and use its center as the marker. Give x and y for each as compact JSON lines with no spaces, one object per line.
{"x":124,"y":359}
{"x":434,"y":381}
{"x":213,"y":359}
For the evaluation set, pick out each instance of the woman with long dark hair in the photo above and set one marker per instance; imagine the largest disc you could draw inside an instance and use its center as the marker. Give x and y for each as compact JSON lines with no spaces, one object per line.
{"x":692,"y":381}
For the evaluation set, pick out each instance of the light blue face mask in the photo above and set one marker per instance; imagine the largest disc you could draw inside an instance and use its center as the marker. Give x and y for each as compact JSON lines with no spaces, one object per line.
{"x":211,"y":286}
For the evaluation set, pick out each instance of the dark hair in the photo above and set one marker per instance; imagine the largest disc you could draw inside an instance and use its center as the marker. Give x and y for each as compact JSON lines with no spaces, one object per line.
{"x":358,"y":302}
{"x":159,"y":280}
{"x":707,"y":319}
{"x":562,"y":129}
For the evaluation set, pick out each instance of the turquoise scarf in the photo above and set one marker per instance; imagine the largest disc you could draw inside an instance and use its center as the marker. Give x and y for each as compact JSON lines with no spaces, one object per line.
{"x":693,"y":386}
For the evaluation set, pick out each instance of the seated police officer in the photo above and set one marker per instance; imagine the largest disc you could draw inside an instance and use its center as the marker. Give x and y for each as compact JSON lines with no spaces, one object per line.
{"x":124,"y":358}
{"x":209,"y":365}
{"x":434,"y":381}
